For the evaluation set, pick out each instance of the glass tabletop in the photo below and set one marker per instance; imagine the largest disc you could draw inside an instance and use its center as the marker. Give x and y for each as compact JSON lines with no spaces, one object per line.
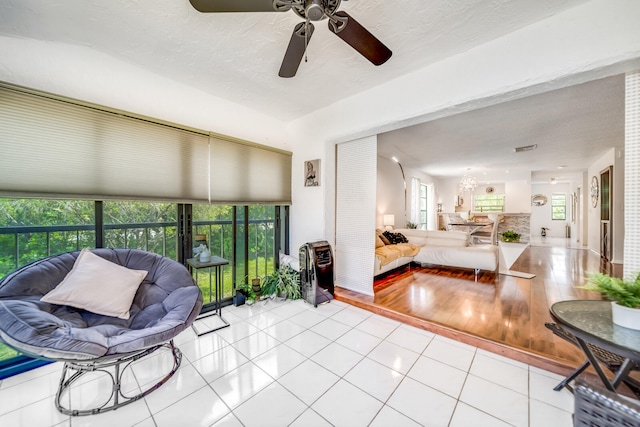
{"x":591,"y":321}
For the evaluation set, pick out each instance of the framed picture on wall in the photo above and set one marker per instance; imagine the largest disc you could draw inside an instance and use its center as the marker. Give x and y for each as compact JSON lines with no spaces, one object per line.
{"x":312,"y":173}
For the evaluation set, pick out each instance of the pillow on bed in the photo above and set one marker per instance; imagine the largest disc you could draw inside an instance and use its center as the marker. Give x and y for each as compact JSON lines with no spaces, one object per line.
{"x":379,"y":242}
{"x":97,"y":285}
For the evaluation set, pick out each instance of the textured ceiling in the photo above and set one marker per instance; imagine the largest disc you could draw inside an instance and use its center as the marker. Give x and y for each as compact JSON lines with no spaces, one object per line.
{"x":571,"y":127}
{"x":236,"y":56}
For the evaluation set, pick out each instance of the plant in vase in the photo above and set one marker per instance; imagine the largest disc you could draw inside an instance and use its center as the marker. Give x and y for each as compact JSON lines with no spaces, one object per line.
{"x":284,"y":281}
{"x":510,"y":236}
{"x":623,"y":294}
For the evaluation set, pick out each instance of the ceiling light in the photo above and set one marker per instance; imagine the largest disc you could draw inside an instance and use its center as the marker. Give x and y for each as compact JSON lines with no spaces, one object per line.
{"x":395,"y":159}
{"x":525,"y":148}
{"x":468,"y":183}
{"x":553,"y":180}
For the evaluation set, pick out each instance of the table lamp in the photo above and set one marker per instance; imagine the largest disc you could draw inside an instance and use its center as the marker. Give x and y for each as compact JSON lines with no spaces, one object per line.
{"x":389,"y":221}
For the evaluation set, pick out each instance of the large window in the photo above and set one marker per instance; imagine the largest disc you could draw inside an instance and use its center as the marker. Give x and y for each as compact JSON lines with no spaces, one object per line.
{"x":559,"y":206}
{"x":423,"y":207}
{"x":247,"y":236}
{"x":488,"y":203}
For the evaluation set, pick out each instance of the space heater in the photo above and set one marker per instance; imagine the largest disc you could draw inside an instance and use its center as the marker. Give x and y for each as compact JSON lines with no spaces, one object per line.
{"x":316,"y":272}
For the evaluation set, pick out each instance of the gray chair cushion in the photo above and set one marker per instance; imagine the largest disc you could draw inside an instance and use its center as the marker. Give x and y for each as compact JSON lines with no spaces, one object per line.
{"x":166,"y":303}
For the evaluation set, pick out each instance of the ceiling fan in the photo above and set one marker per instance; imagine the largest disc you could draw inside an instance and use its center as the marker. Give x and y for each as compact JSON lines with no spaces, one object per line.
{"x":340,"y":23}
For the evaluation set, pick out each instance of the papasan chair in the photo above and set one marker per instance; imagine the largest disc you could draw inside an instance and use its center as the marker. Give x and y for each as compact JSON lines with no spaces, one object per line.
{"x":98,"y":311}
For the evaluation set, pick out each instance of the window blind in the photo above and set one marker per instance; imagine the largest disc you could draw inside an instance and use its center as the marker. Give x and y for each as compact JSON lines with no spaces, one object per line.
{"x":56,"y":147}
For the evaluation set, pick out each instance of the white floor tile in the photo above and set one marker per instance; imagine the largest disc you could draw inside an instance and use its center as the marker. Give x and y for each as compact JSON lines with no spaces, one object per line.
{"x":202,"y":346}
{"x":272,"y":407}
{"x":447,"y":351}
{"x":337,"y":358}
{"x":350,"y":317}
{"x":239,"y":385}
{"x":307,"y":343}
{"x":284,"y":330}
{"x":409,"y":339}
{"x":390,"y":417}
{"x":465,"y":416}
{"x":201,"y":408}
{"x":356,"y":410}
{"x":500,"y":402}
{"x":308,"y":381}
{"x":285,"y":309}
{"x":440,"y":376}
{"x":501,"y":372}
{"x":41,"y":413}
{"x":378,"y":326}
{"x":331,"y":308}
{"x":265,"y":319}
{"x":543,"y":415}
{"x":393,"y":356}
{"x":184,"y":382}
{"x":256,"y":344}
{"x":237,"y":331}
{"x":541,"y":388}
{"x":331,"y":329}
{"x":279,"y":360}
{"x":374,"y":378}
{"x":310,"y":418}
{"x":359,"y":341}
{"x":422,"y":404}
{"x":308,"y":318}
{"x":27,"y":392}
{"x":219,"y":363}
{"x":228,"y":421}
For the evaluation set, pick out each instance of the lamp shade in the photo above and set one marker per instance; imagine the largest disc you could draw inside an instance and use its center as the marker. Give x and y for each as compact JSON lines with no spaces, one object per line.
{"x":389,"y":219}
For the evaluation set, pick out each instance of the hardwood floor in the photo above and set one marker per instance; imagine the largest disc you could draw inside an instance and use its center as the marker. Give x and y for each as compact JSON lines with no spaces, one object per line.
{"x":502,"y":314}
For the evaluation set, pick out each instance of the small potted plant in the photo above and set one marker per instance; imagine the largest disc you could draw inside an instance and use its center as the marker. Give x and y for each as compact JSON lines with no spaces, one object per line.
{"x":284,"y":282}
{"x":623,"y":294}
{"x":510,"y":236}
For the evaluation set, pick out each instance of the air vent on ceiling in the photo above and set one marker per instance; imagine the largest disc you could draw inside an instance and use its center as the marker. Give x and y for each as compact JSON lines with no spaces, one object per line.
{"x":525,"y":148}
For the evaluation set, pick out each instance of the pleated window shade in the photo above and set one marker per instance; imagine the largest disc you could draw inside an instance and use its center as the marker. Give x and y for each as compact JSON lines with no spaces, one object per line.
{"x":53,"y":147}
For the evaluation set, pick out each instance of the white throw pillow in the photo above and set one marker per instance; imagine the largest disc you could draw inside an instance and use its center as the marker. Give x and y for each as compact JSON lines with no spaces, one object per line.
{"x":98,"y":285}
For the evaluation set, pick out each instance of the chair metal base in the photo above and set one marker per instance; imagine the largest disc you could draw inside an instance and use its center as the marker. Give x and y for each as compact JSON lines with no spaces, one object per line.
{"x":74,"y":370}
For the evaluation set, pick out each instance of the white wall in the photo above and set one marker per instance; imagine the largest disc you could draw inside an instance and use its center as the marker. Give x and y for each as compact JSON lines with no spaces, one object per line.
{"x":541,"y":215}
{"x":390,"y":191}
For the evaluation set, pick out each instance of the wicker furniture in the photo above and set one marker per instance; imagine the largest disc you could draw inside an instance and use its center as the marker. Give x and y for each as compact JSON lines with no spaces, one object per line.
{"x":597,"y":407}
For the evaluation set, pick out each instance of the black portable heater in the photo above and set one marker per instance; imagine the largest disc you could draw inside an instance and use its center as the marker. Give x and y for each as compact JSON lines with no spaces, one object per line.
{"x":316,"y":272}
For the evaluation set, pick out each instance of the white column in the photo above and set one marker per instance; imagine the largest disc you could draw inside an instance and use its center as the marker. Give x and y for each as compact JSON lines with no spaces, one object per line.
{"x":356,"y":214}
{"x":632,"y":176}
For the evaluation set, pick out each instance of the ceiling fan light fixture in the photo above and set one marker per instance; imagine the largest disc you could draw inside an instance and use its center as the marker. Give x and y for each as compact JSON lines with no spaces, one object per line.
{"x":314,"y":10}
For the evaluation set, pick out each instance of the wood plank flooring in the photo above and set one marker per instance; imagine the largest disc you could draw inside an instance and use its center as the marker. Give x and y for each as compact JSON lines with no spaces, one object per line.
{"x":502,"y":314}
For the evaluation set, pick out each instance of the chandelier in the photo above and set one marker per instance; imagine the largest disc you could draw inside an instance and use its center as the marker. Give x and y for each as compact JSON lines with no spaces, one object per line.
{"x":468,"y":183}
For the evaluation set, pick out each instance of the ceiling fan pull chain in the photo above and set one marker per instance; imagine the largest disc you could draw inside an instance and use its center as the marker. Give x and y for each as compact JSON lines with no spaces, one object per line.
{"x":306,"y":38}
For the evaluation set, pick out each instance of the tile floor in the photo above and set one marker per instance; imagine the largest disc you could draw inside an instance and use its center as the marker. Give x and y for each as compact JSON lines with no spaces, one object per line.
{"x":290,"y":364}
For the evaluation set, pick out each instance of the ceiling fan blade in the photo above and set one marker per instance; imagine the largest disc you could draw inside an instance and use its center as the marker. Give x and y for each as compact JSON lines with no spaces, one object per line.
{"x":234,"y":5}
{"x":350,"y":30}
{"x":296,"y":49}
